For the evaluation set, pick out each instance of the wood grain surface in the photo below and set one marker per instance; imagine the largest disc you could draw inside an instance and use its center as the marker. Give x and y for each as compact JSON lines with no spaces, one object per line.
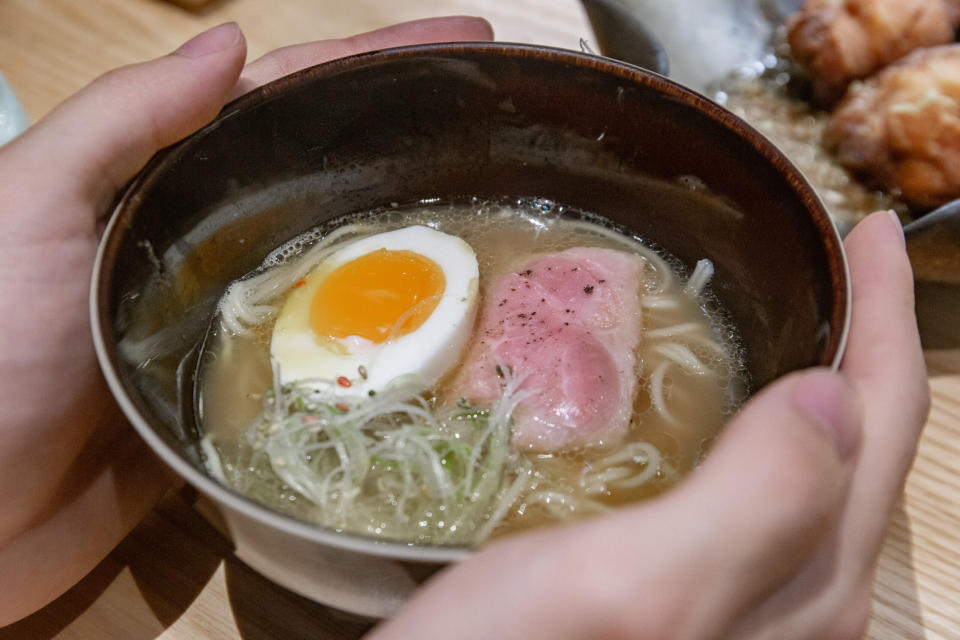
{"x":174,"y":577}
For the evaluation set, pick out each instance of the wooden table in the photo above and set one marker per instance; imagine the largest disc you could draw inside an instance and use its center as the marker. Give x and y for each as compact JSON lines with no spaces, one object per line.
{"x":174,"y":576}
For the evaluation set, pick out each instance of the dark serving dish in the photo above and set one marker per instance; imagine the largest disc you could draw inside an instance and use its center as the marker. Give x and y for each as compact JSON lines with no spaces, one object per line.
{"x":444,"y":121}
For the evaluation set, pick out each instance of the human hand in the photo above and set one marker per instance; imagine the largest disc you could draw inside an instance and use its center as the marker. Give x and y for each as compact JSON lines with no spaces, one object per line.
{"x":74,"y":479}
{"x":775,"y":537}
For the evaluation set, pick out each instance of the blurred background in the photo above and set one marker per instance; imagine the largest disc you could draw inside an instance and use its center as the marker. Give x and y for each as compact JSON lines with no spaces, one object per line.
{"x":51,"y":48}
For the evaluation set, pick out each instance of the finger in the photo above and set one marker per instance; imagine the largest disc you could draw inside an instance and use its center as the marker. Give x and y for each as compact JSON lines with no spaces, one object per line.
{"x":282,"y":62}
{"x":883,"y":325}
{"x":99,"y":138}
{"x":885,"y":362}
{"x":765,"y":497}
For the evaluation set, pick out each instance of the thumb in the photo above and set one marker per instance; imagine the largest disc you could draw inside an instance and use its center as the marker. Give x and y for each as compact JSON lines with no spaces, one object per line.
{"x":770,"y":490}
{"x":684,"y":566}
{"x":95,"y":141}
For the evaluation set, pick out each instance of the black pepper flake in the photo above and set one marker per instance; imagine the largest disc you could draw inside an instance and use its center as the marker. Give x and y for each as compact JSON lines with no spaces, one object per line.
{"x":575,"y":269}
{"x":601,"y":281}
{"x":543,"y":299}
{"x":566,"y":324}
{"x":588,"y":289}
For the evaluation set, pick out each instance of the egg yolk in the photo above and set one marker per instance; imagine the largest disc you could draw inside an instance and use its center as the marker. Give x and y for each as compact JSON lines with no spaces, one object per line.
{"x":379,"y":296}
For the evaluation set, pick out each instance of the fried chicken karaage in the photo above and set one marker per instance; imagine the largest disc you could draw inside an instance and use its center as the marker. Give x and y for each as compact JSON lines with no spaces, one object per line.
{"x":899,"y":130}
{"x":838,"y":41}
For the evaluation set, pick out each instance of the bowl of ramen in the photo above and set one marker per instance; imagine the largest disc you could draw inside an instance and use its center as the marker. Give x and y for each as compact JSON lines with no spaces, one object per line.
{"x":392,"y":307}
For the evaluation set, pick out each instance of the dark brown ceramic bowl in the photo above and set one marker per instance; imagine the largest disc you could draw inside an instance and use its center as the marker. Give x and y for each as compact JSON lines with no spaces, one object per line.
{"x":444,"y":121}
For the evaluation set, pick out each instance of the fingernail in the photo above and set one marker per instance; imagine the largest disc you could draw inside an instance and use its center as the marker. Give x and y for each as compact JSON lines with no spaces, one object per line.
{"x":219,"y":38}
{"x":897,"y":223}
{"x":832,"y":404}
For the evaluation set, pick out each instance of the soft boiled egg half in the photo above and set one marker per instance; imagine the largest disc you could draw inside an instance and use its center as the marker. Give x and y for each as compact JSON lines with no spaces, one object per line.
{"x":395,"y":305}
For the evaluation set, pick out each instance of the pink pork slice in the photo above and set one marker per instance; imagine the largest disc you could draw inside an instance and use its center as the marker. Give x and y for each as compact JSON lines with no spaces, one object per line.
{"x":570,"y":323}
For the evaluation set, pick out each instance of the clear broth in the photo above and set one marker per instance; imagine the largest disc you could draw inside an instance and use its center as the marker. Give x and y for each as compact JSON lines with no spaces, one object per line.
{"x":235,"y":370}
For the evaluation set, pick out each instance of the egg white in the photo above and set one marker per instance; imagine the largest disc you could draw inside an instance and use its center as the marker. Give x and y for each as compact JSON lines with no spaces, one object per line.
{"x":421,"y":356}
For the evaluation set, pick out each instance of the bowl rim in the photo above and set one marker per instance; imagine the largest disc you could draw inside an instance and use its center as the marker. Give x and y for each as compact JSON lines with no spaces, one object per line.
{"x":101,"y":324}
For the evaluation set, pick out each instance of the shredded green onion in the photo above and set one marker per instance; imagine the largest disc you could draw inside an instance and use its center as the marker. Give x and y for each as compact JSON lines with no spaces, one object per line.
{"x":391,"y":465}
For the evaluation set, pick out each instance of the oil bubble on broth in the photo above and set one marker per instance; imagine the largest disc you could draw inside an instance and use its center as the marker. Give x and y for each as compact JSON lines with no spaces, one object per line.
{"x":426,"y":465}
